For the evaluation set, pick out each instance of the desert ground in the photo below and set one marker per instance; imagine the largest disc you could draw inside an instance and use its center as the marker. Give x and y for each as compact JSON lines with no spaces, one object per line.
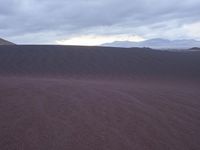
{"x":93,"y":98}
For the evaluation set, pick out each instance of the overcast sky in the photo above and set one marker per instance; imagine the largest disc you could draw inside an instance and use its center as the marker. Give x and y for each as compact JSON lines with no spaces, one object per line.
{"x":93,"y":22}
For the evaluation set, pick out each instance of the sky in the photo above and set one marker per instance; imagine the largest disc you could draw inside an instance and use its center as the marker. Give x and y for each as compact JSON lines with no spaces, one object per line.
{"x":94,"y":22}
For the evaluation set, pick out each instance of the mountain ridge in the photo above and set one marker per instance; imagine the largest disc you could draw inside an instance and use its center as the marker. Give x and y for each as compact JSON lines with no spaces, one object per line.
{"x":157,"y":43}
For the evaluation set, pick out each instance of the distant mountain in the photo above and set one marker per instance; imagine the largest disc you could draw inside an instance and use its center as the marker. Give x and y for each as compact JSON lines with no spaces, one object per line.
{"x":4,"y":42}
{"x":157,"y":44}
{"x":195,"y":49}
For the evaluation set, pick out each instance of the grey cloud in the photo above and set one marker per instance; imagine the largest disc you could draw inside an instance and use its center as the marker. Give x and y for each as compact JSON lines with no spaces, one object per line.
{"x":63,"y":18}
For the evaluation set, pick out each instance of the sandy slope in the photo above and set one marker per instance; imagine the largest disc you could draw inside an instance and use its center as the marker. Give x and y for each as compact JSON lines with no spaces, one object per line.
{"x":94,"y":98}
{"x":71,"y":114}
{"x":98,"y":61}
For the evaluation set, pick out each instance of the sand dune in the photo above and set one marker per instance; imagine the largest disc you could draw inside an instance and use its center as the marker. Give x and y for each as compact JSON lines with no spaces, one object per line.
{"x":98,"y":61}
{"x":97,"y":114}
{"x":92,"y":98}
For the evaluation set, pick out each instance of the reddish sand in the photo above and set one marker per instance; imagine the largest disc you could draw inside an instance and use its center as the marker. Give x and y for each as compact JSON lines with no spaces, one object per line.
{"x":80,"y":114}
{"x":95,"y":98}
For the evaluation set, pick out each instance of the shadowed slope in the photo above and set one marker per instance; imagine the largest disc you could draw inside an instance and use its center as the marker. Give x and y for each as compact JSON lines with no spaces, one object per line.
{"x":4,"y":42}
{"x":98,"y":61}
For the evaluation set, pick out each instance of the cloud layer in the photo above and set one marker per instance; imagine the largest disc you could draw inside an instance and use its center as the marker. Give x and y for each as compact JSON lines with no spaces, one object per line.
{"x":48,"y":21}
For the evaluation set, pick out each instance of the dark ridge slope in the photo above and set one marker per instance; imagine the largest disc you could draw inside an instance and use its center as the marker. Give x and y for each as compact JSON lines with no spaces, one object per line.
{"x":101,"y":61}
{"x":5,"y":42}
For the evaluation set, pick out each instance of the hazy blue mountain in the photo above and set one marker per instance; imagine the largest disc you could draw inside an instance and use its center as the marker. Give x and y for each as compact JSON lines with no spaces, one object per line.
{"x":157,"y":44}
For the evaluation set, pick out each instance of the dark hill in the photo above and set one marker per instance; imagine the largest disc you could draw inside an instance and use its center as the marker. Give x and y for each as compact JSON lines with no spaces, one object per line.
{"x":5,"y":42}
